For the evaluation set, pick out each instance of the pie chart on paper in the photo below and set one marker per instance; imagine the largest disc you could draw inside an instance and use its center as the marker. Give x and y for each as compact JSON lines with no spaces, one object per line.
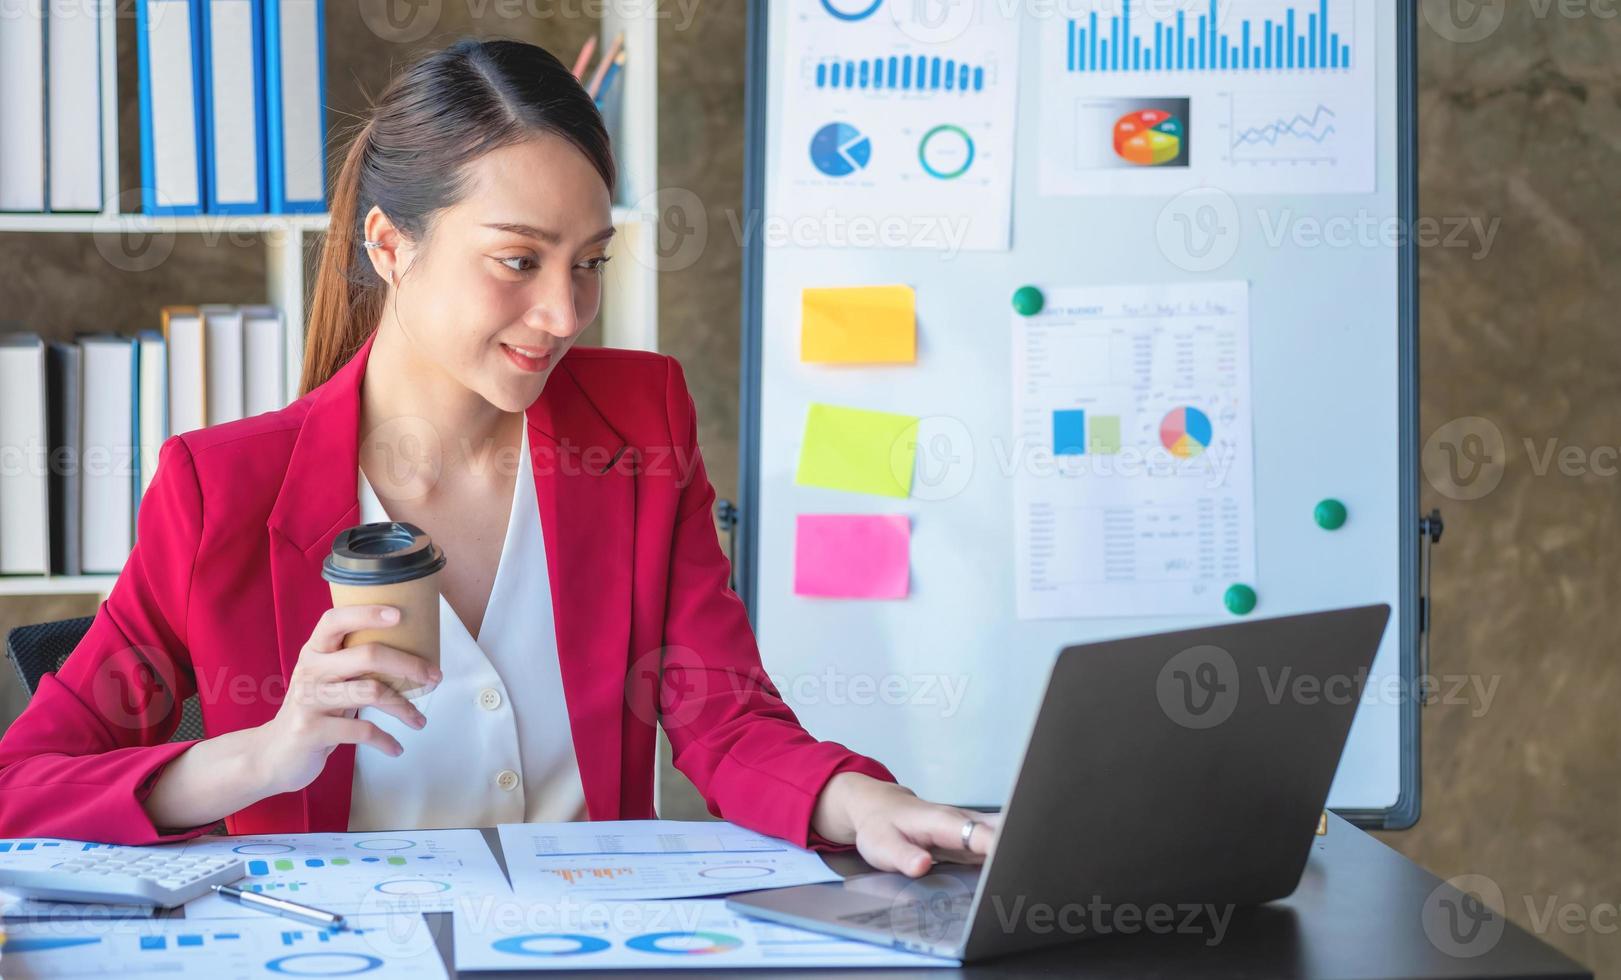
{"x":1148,"y":138}
{"x":1186,"y":432}
{"x":839,"y":149}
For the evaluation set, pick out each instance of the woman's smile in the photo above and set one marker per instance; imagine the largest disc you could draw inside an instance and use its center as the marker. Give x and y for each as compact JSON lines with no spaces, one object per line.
{"x":530,"y":359}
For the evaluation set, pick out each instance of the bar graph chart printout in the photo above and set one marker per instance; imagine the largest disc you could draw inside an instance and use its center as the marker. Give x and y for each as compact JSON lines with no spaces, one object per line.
{"x":1278,"y":98}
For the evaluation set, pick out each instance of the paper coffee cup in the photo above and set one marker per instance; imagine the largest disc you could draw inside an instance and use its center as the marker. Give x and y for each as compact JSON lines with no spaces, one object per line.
{"x":390,"y":563}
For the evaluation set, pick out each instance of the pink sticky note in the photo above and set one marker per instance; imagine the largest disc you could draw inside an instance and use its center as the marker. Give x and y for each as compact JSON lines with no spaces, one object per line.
{"x":853,"y":556}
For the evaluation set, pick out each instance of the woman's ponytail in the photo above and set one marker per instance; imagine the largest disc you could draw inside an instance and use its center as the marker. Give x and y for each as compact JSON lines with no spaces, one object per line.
{"x":348,"y":296}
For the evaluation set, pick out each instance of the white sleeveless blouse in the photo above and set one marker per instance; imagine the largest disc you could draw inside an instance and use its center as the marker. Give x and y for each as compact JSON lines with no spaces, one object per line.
{"x":497,"y":746}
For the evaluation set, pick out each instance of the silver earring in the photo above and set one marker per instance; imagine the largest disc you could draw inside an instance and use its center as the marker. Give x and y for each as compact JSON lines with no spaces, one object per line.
{"x":372,"y":244}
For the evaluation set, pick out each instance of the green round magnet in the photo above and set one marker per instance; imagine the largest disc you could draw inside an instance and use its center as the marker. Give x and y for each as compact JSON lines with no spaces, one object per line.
{"x":1330,"y":514}
{"x":1028,"y":301}
{"x":1240,"y":600}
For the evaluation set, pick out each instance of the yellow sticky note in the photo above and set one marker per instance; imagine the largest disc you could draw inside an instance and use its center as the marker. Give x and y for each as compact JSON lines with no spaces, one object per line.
{"x":858,"y":450}
{"x":858,"y":325}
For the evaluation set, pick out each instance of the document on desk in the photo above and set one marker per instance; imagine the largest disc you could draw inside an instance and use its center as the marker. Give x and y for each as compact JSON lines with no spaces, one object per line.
{"x":14,"y":907}
{"x":642,"y":859}
{"x":391,"y":946}
{"x":684,"y":934}
{"x":403,"y":871}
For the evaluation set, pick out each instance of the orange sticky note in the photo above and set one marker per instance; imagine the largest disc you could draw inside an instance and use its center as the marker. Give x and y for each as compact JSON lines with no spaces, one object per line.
{"x":858,"y":325}
{"x":853,"y":556}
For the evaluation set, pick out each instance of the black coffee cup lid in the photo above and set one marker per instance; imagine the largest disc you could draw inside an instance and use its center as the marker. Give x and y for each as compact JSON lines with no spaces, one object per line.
{"x":383,"y":553}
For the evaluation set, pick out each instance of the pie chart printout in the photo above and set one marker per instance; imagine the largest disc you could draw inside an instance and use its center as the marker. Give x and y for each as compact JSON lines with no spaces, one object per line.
{"x":1186,"y":432}
{"x":1149,"y":137}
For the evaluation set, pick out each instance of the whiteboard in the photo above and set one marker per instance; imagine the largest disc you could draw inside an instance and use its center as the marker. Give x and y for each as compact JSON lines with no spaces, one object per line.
{"x":943,"y":685}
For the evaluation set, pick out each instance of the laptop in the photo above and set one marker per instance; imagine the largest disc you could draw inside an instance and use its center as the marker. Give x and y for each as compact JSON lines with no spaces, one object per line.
{"x":1168,"y":779}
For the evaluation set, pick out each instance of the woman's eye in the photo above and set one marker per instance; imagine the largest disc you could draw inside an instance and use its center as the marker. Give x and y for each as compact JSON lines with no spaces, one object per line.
{"x":525,"y":263}
{"x":594,"y":265}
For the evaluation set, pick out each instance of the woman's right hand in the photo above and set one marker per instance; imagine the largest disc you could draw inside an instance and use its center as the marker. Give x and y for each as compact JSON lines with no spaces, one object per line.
{"x":327,"y":689}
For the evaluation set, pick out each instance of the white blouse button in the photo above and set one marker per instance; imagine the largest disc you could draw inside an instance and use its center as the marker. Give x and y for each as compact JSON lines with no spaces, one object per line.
{"x":506,"y":779}
{"x":489,"y":699}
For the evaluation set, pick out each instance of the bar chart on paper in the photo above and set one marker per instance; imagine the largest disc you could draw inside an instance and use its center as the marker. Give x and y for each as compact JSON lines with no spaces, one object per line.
{"x":261,"y":947}
{"x":1268,"y":96}
{"x":1228,"y":35}
{"x":417,"y":871}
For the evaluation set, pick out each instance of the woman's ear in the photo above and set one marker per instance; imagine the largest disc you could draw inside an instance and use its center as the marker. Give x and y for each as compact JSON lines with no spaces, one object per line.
{"x":383,"y":242}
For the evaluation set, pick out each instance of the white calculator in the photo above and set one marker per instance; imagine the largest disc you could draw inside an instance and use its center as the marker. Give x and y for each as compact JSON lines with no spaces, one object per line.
{"x":72,"y":871}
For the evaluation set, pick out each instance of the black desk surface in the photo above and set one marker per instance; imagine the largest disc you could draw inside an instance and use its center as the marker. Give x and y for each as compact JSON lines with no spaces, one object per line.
{"x":1360,"y":912}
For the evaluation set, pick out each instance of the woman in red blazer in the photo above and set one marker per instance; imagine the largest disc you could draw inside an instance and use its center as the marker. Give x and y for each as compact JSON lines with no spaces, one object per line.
{"x":469,"y":223}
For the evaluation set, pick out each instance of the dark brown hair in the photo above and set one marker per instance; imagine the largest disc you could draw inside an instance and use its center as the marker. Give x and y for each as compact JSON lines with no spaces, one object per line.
{"x":409,"y":157}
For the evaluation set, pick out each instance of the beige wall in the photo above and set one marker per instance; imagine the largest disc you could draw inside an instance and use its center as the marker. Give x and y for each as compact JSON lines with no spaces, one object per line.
{"x":1522,"y":128}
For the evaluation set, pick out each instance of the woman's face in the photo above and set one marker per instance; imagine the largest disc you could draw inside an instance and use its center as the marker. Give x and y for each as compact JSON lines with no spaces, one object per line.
{"x":511,"y":275}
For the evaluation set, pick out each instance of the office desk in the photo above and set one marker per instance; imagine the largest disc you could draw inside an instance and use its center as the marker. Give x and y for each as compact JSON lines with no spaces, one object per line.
{"x":1360,"y":912}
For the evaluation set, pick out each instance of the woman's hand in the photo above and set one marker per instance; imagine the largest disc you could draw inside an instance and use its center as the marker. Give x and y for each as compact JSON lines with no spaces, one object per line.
{"x":327,"y":689}
{"x":894,"y":830}
{"x":221,"y":775}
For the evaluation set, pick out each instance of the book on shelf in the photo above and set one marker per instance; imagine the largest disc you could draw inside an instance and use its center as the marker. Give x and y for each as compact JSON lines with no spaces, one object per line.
{"x":82,"y":422}
{"x":63,"y":395}
{"x":233,"y":117}
{"x":24,"y":452}
{"x":107,"y":479}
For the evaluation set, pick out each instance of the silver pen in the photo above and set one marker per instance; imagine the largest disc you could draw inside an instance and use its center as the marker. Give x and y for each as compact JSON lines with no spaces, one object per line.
{"x":280,"y":906}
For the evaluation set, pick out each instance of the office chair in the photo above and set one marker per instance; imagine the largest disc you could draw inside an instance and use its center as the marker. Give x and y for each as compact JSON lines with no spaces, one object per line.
{"x":43,"y":647}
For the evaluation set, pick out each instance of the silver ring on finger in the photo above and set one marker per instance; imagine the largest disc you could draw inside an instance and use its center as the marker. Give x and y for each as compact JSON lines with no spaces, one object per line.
{"x":968,"y":833}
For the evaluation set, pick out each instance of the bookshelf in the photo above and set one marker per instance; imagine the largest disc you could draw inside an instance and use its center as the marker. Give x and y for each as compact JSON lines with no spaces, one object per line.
{"x":629,"y":315}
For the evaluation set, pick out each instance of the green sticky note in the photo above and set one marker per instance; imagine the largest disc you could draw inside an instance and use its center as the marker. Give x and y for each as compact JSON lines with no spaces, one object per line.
{"x":858,"y":450}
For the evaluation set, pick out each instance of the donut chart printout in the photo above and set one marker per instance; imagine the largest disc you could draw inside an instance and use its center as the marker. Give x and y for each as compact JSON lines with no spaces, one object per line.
{"x":393,"y":871}
{"x":393,"y":946}
{"x":646,"y":859}
{"x":700,"y":934}
{"x":1134,"y":488}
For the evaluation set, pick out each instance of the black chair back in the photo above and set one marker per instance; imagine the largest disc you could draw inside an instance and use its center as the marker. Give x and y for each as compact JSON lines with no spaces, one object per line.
{"x":43,"y":647}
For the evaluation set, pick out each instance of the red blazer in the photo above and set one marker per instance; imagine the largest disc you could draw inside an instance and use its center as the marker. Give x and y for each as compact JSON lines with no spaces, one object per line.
{"x":224,"y":586}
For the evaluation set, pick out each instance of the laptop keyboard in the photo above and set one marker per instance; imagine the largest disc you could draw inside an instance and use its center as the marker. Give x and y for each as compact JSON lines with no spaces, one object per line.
{"x":939,"y":917}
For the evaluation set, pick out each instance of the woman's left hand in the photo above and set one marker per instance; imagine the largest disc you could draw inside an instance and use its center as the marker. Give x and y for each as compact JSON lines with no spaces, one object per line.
{"x":894,"y":830}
